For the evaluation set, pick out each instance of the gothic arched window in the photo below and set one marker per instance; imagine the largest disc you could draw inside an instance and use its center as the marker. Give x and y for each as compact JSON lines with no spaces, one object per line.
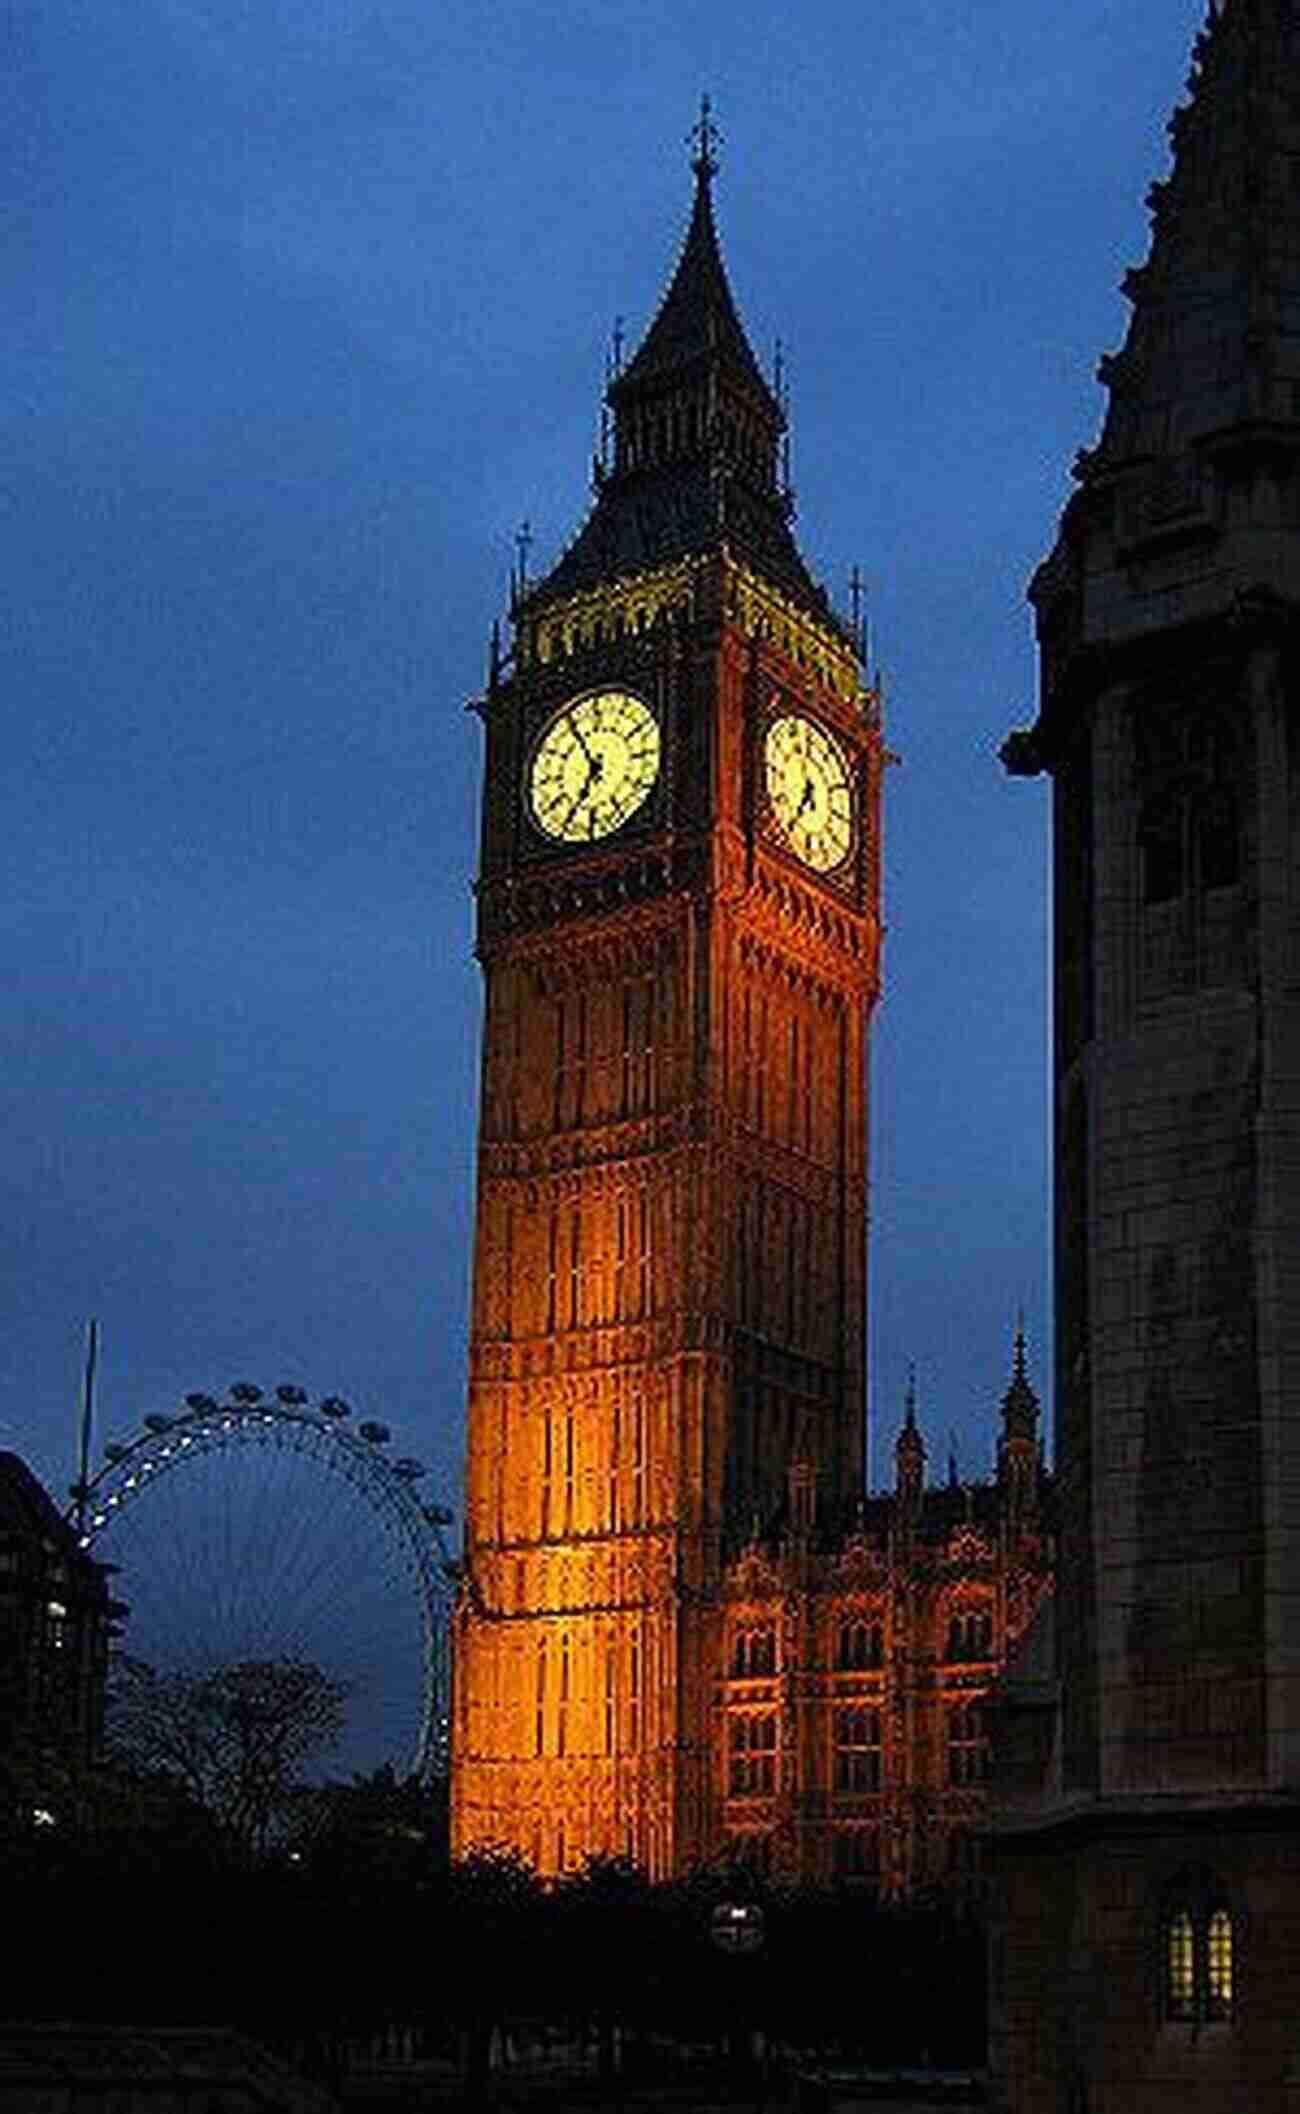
{"x":970,"y":1634}
{"x":753,"y":1653}
{"x":860,"y":1646}
{"x":968,"y":1745}
{"x":1198,"y":1954}
{"x":859,"y":1750}
{"x":752,"y":1757}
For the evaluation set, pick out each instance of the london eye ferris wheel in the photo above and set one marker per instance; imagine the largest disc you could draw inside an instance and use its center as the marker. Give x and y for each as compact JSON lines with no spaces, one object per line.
{"x":268,"y":1526}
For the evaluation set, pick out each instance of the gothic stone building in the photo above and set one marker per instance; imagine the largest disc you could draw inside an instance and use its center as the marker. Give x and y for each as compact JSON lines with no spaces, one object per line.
{"x":666,"y":1644}
{"x":850,"y":1739}
{"x":1148,"y":1841}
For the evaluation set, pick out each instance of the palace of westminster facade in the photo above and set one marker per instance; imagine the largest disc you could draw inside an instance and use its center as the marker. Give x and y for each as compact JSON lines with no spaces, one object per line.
{"x":687,"y":1635}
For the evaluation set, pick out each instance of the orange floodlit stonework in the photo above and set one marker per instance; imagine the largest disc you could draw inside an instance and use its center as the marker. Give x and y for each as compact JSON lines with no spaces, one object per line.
{"x":679,"y":927}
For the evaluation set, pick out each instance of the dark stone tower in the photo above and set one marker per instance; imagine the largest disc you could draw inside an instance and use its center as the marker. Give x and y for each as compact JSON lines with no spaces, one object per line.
{"x":679,"y":926}
{"x":1148,"y":1844}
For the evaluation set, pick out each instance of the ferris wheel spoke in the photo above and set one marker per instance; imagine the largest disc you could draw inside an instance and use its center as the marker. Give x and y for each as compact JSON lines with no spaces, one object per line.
{"x":276,"y":1531}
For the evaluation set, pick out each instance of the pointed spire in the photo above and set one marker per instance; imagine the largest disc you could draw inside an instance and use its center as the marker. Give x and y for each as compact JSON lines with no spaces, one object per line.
{"x":705,"y":140}
{"x":1020,"y":1406}
{"x":1018,"y":1357}
{"x":697,"y":321}
{"x":695,"y":460}
{"x":909,"y":1447}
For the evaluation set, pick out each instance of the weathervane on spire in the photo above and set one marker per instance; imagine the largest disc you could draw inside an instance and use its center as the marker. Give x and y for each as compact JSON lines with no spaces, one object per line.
{"x":705,"y":137}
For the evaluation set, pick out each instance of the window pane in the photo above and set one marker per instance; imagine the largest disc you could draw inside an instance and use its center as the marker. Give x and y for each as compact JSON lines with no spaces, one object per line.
{"x":1219,"y":1980}
{"x":1180,"y":1967}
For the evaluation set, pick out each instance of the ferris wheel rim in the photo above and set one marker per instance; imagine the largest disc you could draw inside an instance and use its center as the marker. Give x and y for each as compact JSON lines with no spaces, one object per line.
{"x":208,"y":1426}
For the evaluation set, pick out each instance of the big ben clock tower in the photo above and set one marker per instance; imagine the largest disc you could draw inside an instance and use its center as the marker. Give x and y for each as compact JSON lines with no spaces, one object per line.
{"x":679,"y":926}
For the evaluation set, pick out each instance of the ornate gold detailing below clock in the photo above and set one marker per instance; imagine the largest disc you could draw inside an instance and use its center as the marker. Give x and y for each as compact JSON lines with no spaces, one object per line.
{"x":809,"y":790}
{"x":594,"y":766}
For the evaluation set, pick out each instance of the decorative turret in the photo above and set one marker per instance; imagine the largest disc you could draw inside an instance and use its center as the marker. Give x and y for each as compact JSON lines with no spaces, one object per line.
{"x":909,"y":1452}
{"x":1020,"y":1405}
{"x":1018,"y":1452}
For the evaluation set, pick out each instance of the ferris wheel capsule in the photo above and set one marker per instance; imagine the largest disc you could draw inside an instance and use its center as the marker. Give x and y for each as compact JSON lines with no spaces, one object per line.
{"x":377,"y":1434}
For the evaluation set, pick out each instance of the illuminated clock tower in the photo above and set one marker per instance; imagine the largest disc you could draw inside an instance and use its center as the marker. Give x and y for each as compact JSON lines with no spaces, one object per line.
{"x":679,"y":926}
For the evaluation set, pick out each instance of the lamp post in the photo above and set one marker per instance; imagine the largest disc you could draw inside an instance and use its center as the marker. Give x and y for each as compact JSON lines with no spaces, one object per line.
{"x":736,"y":1929}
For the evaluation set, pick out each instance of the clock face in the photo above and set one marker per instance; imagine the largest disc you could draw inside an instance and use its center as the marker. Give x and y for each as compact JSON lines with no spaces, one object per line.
{"x":594,"y":766}
{"x":808,"y":786}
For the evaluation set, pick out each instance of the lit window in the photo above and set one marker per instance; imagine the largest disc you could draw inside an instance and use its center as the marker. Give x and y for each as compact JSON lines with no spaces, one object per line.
{"x":970,"y":1635}
{"x":1218,"y":1993}
{"x":753,"y":1654}
{"x":858,"y":1764}
{"x":861,"y":1646}
{"x":752,"y":1756}
{"x":1198,"y":1960}
{"x":1180,"y":1966}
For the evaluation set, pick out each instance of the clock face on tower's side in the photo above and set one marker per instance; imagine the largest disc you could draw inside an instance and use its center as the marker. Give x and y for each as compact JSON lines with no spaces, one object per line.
{"x":808,"y":787}
{"x":594,"y":765}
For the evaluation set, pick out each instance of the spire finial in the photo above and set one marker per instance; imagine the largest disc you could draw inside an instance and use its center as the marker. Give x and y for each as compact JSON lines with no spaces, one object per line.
{"x":706,"y":139}
{"x":1018,"y":1372}
{"x":909,"y":1448}
{"x":523,"y":545}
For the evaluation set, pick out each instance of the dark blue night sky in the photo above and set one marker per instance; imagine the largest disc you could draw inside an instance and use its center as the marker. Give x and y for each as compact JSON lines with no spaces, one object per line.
{"x":307,"y":303}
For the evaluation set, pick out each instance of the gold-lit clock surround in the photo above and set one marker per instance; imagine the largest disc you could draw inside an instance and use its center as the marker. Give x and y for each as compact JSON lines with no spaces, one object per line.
{"x":809,"y":791}
{"x":595,"y":764}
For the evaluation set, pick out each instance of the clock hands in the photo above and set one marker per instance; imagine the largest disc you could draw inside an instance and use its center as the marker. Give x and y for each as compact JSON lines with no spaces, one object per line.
{"x":576,"y":725}
{"x":594,"y":765}
{"x":809,"y":790}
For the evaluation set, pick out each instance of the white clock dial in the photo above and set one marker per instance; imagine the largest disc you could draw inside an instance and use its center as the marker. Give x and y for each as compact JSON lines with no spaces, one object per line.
{"x":594,"y":766}
{"x":809,"y":790}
